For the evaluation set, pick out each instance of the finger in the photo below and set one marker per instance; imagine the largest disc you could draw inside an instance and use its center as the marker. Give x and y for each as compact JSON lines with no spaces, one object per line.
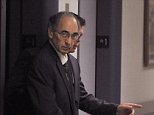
{"x":126,"y":106}
{"x":135,"y":105}
{"x":133,"y":112}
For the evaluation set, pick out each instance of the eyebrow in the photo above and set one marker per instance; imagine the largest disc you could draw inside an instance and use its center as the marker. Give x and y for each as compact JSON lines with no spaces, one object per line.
{"x":69,"y":32}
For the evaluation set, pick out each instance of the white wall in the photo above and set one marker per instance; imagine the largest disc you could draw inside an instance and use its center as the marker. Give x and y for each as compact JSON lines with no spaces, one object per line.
{"x":137,"y":82}
{"x":87,"y":50}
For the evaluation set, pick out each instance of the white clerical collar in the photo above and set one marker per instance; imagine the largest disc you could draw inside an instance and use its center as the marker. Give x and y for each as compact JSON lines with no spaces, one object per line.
{"x":63,"y":58}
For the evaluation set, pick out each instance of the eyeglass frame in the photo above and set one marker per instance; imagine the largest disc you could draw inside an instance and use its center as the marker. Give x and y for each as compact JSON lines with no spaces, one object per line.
{"x":66,"y":35}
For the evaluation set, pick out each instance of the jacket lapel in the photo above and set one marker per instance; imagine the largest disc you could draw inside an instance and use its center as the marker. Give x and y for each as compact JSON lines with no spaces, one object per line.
{"x":62,"y":73}
{"x":59,"y":65}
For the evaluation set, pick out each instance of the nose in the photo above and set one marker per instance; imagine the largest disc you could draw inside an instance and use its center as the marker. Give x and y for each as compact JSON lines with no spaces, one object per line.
{"x":68,"y":41}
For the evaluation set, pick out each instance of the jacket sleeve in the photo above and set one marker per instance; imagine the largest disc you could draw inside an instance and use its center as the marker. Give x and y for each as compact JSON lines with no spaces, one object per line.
{"x":87,"y":102}
{"x":95,"y":106}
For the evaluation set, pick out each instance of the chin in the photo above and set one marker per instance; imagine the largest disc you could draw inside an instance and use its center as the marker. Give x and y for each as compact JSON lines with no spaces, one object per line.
{"x":65,"y":52}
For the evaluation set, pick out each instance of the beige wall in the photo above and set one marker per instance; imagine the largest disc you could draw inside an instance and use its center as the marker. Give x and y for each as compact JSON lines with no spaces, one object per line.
{"x":87,"y":46}
{"x":137,"y":82}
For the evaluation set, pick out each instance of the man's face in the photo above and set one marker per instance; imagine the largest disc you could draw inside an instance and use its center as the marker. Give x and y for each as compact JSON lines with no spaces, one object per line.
{"x":62,"y":38}
{"x":75,"y":43}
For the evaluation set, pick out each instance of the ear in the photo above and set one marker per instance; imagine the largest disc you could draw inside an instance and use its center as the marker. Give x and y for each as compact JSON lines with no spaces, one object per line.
{"x":50,"y":33}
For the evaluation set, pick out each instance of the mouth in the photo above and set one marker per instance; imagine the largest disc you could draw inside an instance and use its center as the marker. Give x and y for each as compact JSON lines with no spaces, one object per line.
{"x":65,"y":48}
{"x":74,"y":47}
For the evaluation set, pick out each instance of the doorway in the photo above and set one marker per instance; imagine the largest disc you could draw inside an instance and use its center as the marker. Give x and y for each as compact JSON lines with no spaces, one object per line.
{"x":24,"y":25}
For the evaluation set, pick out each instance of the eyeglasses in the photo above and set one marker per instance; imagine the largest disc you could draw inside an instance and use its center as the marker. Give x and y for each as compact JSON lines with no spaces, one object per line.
{"x":65,"y":35}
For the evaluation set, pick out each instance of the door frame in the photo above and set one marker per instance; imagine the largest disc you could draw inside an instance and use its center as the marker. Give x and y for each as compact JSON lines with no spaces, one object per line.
{"x":2,"y":53}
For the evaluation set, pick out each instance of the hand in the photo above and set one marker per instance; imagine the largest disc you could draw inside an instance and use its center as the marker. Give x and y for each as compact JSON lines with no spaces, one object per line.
{"x":127,"y":108}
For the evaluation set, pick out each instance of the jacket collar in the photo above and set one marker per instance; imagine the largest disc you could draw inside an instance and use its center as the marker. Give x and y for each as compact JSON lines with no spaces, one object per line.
{"x":63,"y":58}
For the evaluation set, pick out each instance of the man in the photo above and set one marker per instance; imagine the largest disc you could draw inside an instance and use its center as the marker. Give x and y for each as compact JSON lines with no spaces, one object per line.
{"x":54,"y":84}
{"x":75,"y":43}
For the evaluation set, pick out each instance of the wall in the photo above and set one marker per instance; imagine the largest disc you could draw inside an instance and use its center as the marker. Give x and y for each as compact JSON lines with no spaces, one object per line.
{"x":137,"y":82}
{"x":87,"y":52}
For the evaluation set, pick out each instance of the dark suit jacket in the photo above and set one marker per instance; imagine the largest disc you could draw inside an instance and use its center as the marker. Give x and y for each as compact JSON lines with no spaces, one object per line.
{"x":49,"y":93}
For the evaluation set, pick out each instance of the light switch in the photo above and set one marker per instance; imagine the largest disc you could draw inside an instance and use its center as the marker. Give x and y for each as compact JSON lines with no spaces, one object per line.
{"x":102,"y":41}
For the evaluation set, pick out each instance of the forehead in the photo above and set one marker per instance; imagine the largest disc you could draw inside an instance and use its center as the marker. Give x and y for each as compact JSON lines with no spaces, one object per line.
{"x":68,"y":23}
